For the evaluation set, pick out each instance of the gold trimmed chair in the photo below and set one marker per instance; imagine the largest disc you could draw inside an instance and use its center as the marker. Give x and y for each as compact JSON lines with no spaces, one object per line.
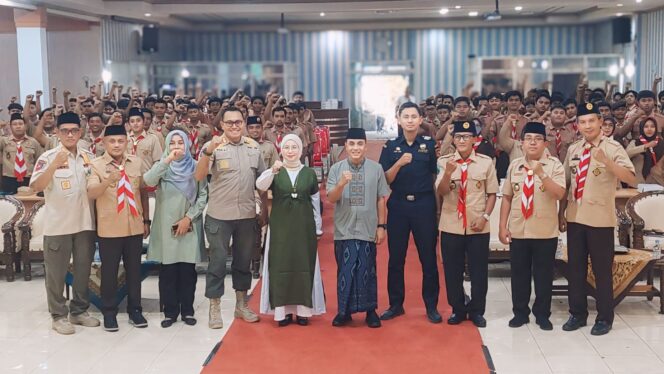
{"x":11,"y":212}
{"x":32,"y":238}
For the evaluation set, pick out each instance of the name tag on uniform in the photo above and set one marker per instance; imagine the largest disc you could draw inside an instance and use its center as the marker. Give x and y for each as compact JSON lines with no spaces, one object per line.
{"x":65,"y":184}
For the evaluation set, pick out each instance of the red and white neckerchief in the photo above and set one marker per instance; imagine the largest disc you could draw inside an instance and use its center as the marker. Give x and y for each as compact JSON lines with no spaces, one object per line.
{"x":95,"y":140}
{"x":575,"y":126}
{"x":582,"y":172}
{"x":193,"y":137}
{"x":559,"y":142}
{"x":135,"y":141}
{"x":160,"y":124}
{"x":653,"y":156}
{"x":20,"y":169}
{"x":513,"y":130}
{"x":216,"y":132}
{"x":528,"y":194}
{"x":124,"y":193}
{"x":279,"y":138}
{"x":478,"y":142}
{"x":461,"y":202}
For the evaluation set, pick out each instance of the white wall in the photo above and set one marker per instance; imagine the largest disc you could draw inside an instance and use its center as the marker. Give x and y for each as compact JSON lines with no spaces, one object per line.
{"x":8,"y":69}
{"x":73,"y":55}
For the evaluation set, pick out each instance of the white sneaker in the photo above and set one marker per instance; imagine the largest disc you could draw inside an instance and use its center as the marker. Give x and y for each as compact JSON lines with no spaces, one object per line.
{"x":84,"y":319}
{"x":62,"y":326}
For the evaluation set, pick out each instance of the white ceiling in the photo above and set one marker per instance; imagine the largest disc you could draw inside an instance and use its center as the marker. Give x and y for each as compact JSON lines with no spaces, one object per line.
{"x":305,"y":14}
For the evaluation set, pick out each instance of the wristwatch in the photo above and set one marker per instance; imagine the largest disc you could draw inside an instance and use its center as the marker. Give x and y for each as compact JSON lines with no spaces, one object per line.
{"x":147,"y":221}
{"x":383,"y":226}
{"x":205,"y":152}
{"x":486,"y":217}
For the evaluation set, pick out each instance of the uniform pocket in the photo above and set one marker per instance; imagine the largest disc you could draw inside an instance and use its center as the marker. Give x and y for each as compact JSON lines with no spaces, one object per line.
{"x":210,"y":227}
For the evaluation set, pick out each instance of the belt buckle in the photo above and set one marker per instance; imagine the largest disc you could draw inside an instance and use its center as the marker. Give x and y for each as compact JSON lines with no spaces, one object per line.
{"x":410,"y":197}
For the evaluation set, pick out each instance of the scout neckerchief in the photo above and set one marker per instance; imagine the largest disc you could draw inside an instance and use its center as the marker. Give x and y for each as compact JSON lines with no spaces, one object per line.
{"x":125,"y":192}
{"x":527,"y":195}
{"x":651,"y":151}
{"x":478,"y":142}
{"x":559,"y":142}
{"x":193,"y":137}
{"x":461,"y":202}
{"x":135,"y":141}
{"x":513,"y":130}
{"x":582,"y":172}
{"x":20,"y":169}
{"x":95,"y":140}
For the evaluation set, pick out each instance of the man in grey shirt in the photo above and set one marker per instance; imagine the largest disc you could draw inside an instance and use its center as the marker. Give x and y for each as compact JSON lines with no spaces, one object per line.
{"x":358,"y":188}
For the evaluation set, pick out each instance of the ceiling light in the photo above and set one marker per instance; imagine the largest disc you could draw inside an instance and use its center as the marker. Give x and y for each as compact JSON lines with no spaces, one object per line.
{"x":185,"y":73}
{"x":518,"y":8}
{"x":520,"y":63}
{"x":639,"y":1}
{"x":322,"y":14}
{"x":444,"y":11}
{"x":545,"y":64}
{"x":148,"y":14}
{"x":619,"y":5}
{"x":619,"y":14}
{"x":473,"y":14}
{"x":629,"y":70}
{"x":457,"y":7}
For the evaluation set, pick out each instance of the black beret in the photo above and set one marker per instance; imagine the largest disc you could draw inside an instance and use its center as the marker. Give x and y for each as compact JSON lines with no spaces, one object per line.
{"x":16,"y":116}
{"x":115,"y":130}
{"x":645,"y":94}
{"x":254,"y":120}
{"x":535,"y":128}
{"x":68,"y":117}
{"x":135,"y":112}
{"x":356,"y":133}
{"x":465,"y":126}
{"x":431,"y":102}
{"x":587,"y":108}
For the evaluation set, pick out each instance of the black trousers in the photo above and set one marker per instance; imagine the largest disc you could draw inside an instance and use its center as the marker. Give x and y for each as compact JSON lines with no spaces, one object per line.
{"x":532,"y":258}
{"x":455,"y":248}
{"x":10,"y":185}
{"x":177,"y":285}
{"x":598,"y":242}
{"x":112,"y":250}
{"x":418,"y":217}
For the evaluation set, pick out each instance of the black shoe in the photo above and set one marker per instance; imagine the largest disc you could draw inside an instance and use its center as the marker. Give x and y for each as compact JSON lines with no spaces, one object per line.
{"x":341,"y":320}
{"x":544,"y":324}
{"x":456,"y":318}
{"x":137,"y":319}
{"x":392,"y":313}
{"x":167,"y":322}
{"x":302,"y":321}
{"x":518,"y":321}
{"x":478,"y":320}
{"x":189,"y":320}
{"x":111,"y":324}
{"x":286,"y":321}
{"x":372,"y":319}
{"x":434,"y":316}
{"x":573,"y":323}
{"x":600,"y":328}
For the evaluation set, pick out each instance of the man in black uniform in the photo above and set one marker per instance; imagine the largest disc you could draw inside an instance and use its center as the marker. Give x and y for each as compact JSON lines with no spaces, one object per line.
{"x":409,"y":162}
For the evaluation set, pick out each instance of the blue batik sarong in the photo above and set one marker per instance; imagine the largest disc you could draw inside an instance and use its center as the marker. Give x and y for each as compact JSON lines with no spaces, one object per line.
{"x":356,"y":276}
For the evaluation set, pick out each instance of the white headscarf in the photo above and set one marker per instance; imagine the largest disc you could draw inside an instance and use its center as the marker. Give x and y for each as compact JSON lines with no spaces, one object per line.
{"x":295,"y":163}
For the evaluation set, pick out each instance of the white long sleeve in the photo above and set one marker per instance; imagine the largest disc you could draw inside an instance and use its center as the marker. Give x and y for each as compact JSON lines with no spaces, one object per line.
{"x":264,"y":181}
{"x":315,"y":201}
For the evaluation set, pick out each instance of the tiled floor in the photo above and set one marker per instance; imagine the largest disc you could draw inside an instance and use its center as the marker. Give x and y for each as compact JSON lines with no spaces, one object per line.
{"x":28,"y":345}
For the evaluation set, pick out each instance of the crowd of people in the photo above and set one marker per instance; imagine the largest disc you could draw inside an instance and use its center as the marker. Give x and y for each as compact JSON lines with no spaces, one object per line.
{"x":236,"y":171}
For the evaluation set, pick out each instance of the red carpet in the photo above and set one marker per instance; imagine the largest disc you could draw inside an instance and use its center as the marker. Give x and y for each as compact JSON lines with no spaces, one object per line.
{"x":408,"y":344}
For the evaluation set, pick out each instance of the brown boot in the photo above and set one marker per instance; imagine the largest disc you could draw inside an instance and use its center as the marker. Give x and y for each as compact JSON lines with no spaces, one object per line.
{"x":215,"y":321}
{"x":241,"y":308}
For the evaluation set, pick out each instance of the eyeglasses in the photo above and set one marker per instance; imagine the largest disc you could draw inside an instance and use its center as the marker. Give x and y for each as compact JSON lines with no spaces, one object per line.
{"x":74,"y":131}
{"x":464,"y":138}
{"x":237,"y":123}
{"x":531,"y":139}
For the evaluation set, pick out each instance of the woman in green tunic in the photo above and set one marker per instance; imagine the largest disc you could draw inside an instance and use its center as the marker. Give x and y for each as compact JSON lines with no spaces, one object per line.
{"x":291,"y":272}
{"x":177,"y":227}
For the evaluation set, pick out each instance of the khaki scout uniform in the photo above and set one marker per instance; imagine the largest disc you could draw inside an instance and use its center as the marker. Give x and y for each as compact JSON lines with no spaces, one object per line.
{"x":567,"y":135}
{"x":231,"y":212}
{"x":204,"y":134}
{"x":268,"y":152}
{"x":147,"y":149}
{"x":507,"y":144}
{"x":272,"y":134}
{"x":496,"y":129}
{"x":68,"y":229}
{"x":120,"y":233}
{"x":534,"y":240}
{"x":97,"y":141}
{"x":31,"y":151}
{"x":458,"y":243}
{"x":590,"y":227}
{"x":159,"y":136}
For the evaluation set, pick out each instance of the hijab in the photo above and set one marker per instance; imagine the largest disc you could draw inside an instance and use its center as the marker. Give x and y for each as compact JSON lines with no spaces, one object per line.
{"x":180,"y":172}
{"x":657,"y":151}
{"x":295,"y":164}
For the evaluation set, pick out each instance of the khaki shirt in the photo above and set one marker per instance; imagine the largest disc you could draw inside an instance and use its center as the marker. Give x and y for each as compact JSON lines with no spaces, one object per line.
{"x":497,"y":125}
{"x":31,"y":151}
{"x":300,"y":132}
{"x":268,"y":152}
{"x":272,"y":134}
{"x":234,"y":169}
{"x":543,"y":223}
{"x":97,"y":141}
{"x":147,"y":149}
{"x":68,"y":208}
{"x":159,"y":135}
{"x":567,"y":135}
{"x":507,"y":144}
{"x":481,"y":181}
{"x":597,"y":207}
{"x":110,"y":223}
{"x":204,"y":134}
